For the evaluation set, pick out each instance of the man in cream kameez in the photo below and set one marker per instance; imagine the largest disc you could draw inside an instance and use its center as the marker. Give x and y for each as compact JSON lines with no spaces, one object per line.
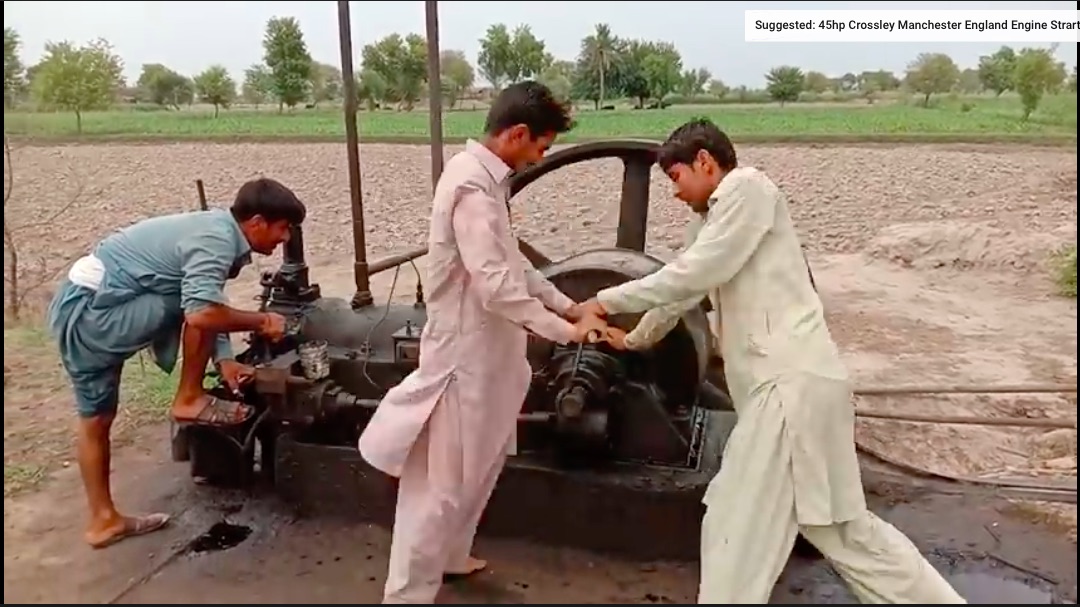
{"x":790,"y":465}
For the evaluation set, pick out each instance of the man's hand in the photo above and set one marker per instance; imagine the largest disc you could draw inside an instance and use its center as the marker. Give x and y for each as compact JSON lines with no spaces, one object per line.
{"x":615,"y":337}
{"x":590,"y":329}
{"x":235,"y":374}
{"x":272,"y":326}
{"x":587,"y":308}
{"x":573,"y":314}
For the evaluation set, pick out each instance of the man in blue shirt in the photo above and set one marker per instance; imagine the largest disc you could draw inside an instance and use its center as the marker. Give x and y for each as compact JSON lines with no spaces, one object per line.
{"x":159,"y":284}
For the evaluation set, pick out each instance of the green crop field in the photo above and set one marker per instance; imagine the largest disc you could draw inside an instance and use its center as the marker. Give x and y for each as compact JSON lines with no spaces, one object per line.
{"x":948,"y":119}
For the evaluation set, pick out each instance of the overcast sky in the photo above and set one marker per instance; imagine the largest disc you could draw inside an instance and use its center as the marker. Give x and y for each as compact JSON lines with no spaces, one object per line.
{"x":189,"y":36}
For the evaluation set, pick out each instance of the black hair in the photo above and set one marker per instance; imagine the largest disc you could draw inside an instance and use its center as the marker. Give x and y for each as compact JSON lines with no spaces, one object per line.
{"x":269,"y":199}
{"x":529,"y":103}
{"x":683,"y":145}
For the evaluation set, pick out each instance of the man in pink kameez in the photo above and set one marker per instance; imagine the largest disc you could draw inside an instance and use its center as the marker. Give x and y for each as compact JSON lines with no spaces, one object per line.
{"x":446,"y":429}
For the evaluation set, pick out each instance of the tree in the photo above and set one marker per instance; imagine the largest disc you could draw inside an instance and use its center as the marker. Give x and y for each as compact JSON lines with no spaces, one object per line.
{"x":457,"y":75}
{"x":816,"y":82}
{"x":371,"y":88}
{"x":599,"y":51}
{"x":402,"y":63}
{"x":528,"y":54}
{"x":216,"y":87}
{"x":969,"y":82}
{"x":1036,"y":73}
{"x":628,"y":73}
{"x":784,"y":83}
{"x":662,"y":69}
{"x":14,"y":74}
{"x":932,"y":73}
{"x":558,"y":78}
{"x":718,"y":89}
{"x":560,"y":67}
{"x":326,"y":82}
{"x":875,"y":81}
{"x":496,"y":58}
{"x":286,"y":54}
{"x":996,"y":71}
{"x":1072,"y":80}
{"x":693,"y":82}
{"x":162,"y":86}
{"x":258,"y":87}
{"x":78,"y":79}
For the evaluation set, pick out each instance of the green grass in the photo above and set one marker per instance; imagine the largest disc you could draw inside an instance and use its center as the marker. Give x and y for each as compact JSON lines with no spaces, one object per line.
{"x":19,"y":478}
{"x":36,"y":391}
{"x":948,"y":119}
{"x":1064,"y":266}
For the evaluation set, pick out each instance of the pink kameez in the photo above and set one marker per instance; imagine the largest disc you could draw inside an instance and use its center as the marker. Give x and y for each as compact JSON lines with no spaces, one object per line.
{"x":445,"y":430}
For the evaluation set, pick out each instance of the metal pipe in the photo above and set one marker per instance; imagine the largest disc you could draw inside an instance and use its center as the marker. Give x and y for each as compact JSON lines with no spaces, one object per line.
{"x":1018,"y":422}
{"x":201,"y":189}
{"x":431,"y":17}
{"x":293,"y":251}
{"x":393,"y":261}
{"x":960,"y":389}
{"x":362,"y":297}
{"x":390,"y":262}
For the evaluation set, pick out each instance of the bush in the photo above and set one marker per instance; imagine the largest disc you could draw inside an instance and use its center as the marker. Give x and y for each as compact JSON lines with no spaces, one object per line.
{"x":1065,"y":271}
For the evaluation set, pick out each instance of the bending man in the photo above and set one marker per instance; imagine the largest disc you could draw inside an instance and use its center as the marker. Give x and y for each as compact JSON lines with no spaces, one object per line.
{"x":445,"y":430}
{"x":138,"y":289}
{"x":790,"y":464}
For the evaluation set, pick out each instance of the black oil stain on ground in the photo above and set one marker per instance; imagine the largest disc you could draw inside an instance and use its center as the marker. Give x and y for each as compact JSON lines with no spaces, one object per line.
{"x":220,"y":536}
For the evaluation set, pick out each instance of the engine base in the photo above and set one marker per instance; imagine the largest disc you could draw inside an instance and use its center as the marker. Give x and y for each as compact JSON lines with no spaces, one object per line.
{"x":636,"y":512}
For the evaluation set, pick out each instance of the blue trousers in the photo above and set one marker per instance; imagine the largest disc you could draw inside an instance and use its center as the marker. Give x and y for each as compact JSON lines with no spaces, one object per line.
{"x":96,"y":338}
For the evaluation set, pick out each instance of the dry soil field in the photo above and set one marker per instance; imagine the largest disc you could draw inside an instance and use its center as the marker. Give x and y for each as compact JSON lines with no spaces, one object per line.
{"x":930,"y":261}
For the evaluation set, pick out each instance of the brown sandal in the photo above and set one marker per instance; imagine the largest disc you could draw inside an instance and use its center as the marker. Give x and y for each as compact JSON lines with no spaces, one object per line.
{"x":134,"y":527}
{"x":220,"y":413}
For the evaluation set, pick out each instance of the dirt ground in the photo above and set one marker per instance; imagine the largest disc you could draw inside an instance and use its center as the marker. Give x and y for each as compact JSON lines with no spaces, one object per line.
{"x":930,"y":261}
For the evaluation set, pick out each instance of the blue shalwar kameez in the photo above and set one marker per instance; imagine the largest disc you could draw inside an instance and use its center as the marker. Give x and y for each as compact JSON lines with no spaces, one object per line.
{"x":148,"y":276}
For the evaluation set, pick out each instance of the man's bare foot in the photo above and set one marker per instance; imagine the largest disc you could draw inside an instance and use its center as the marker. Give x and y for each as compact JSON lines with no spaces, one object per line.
{"x":209,"y":410}
{"x":472,"y":566}
{"x":103,"y":535}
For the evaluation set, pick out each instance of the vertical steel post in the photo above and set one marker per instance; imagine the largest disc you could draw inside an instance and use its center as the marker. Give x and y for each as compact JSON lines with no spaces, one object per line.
{"x":362,"y":297}
{"x":431,"y":18}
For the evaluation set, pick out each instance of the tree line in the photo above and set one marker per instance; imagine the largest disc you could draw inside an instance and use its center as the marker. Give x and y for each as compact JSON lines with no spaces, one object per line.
{"x":394,"y":74}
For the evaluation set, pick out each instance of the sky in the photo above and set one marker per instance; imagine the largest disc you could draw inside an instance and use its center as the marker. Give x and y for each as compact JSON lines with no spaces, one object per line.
{"x":192,"y":35}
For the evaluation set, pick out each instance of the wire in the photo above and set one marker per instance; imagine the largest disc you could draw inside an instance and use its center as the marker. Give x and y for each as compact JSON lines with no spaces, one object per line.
{"x":419,"y":284}
{"x":371,"y":331}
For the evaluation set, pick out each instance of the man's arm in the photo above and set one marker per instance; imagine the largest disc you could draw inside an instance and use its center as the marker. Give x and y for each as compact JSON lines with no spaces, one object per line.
{"x":207,"y":258}
{"x":542,"y":289}
{"x":480,"y":232}
{"x":736,"y":224}
{"x":658,"y":322}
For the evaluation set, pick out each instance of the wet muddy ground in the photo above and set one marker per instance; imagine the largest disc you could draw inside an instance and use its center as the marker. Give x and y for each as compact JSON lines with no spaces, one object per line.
{"x":226,"y":547}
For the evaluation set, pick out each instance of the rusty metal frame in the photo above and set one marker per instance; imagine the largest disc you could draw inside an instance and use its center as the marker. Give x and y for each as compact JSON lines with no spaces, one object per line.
{"x":361,"y":271}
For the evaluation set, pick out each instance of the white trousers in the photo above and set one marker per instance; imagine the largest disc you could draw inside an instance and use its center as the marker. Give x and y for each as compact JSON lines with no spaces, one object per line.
{"x":751,"y":522}
{"x":742,"y":559}
{"x":436,"y":516}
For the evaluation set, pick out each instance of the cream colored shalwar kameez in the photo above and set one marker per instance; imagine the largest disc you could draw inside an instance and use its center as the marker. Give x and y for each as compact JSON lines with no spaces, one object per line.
{"x":790,"y":465}
{"x":445,"y":429}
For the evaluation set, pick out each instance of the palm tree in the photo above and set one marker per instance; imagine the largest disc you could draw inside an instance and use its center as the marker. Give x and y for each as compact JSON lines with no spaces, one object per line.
{"x":600,"y":49}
